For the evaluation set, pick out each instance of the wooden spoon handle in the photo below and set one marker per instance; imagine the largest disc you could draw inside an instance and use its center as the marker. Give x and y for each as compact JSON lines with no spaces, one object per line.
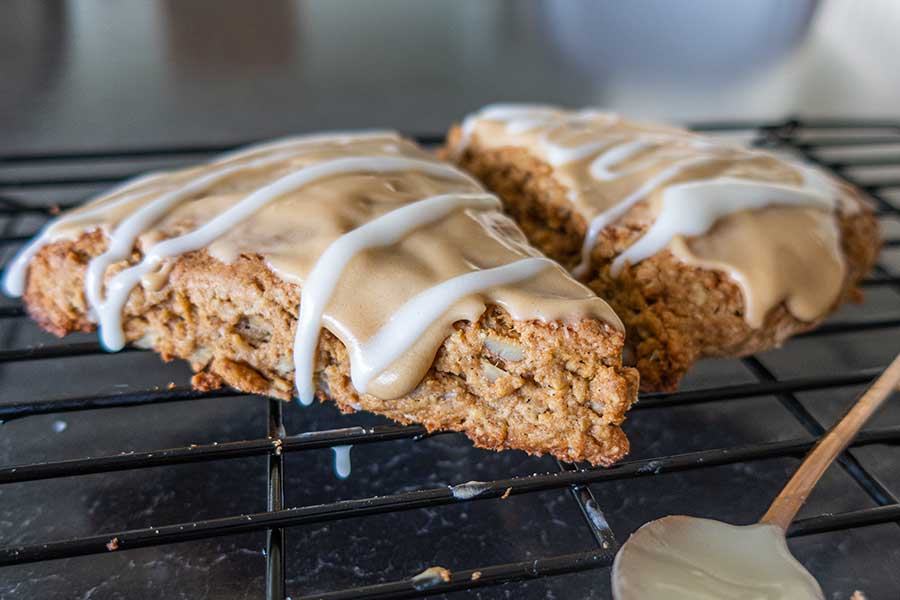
{"x":785,"y":507}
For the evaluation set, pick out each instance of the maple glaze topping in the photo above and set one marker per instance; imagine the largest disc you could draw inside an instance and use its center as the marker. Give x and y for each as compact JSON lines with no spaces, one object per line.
{"x":712,"y":204}
{"x":389,"y":246}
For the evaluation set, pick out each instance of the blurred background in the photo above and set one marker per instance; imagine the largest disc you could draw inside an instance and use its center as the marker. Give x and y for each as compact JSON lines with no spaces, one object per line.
{"x":98,"y":73}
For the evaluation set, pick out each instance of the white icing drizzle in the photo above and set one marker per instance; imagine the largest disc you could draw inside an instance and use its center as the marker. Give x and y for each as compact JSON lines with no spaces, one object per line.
{"x":14,"y":278}
{"x":601,"y":167}
{"x":697,"y":205}
{"x":109,"y":312}
{"x":342,"y":464}
{"x":519,"y":118}
{"x":409,"y":322}
{"x":319,"y":285}
{"x":121,"y":244}
{"x":291,"y":142}
{"x":608,"y":217}
{"x":369,"y":358}
{"x":691,"y":208}
{"x":558,"y":155}
{"x":694,"y":212}
{"x":563,"y":155}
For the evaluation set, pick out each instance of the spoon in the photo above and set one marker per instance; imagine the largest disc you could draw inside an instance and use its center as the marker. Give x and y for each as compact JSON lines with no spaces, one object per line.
{"x":680,"y":557}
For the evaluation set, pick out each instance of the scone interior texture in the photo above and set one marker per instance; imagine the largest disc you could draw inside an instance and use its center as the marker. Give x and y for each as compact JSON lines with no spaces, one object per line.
{"x":420,"y":299}
{"x":703,"y":248}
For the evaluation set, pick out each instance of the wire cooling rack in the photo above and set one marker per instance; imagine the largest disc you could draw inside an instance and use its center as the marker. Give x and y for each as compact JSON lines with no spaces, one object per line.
{"x":813,"y":140}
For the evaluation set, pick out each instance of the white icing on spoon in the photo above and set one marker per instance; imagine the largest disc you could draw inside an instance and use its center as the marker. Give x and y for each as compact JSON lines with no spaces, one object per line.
{"x":686,"y":558}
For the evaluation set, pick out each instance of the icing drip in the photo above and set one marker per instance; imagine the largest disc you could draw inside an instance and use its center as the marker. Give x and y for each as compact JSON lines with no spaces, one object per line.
{"x":610,"y":216}
{"x":109,"y":311}
{"x":389,"y":246}
{"x":719,"y":198}
{"x":799,"y":236}
{"x":137,"y":189}
{"x":14,"y":278}
{"x":320,"y":283}
{"x":121,"y":244}
{"x":342,"y":464}
{"x":411,"y":320}
{"x":685,"y":184}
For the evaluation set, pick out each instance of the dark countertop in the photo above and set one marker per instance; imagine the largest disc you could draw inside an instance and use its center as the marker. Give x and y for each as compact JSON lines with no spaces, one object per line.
{"x":90,"y":75}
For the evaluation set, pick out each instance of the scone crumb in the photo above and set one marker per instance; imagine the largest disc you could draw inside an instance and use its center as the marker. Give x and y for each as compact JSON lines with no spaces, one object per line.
{"x":858,"y":595}
{"x":506,"y":493}
{"x":171,"y":385}
{"x":206,"y":382}
{"x":477,"y":575}
{"x":112,"y":544}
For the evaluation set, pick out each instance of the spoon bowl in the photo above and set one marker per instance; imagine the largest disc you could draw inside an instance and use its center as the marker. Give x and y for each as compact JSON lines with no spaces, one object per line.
{"x":682,"y":558}
{"x":687,"y":558}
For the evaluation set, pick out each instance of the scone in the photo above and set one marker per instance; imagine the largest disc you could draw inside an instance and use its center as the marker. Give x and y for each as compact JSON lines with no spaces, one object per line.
{"x":356,"y":267}
{"x":702,"y":248}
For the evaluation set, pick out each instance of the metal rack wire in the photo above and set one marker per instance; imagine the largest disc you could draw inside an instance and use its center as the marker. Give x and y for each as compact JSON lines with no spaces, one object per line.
{"x":277,"y":519}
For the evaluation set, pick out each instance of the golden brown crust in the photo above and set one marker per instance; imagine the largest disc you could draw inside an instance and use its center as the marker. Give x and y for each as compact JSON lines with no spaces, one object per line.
{"x":673,"y":313}
{"x":567,"y":395}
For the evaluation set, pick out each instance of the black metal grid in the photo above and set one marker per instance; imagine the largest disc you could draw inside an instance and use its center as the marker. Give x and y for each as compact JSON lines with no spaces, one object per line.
{"x":790,"y":135}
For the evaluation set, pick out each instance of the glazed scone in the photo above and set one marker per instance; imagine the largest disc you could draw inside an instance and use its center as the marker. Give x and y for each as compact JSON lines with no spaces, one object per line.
{"x":356,"y":267}
{"x":702,"y":248}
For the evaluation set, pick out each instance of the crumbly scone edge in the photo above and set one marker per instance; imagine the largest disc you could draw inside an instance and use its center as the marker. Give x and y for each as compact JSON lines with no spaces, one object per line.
{"x":234,"y":324}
